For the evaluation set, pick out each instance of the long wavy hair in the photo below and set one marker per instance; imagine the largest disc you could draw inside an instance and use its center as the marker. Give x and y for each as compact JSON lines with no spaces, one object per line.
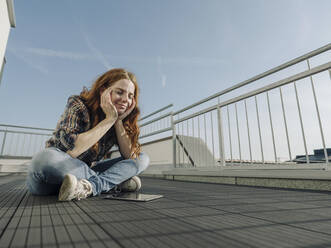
{"x":92,"y":100}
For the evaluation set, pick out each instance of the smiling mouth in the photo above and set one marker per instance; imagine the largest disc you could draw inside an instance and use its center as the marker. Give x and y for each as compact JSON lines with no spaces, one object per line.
{"x":121,"y":106}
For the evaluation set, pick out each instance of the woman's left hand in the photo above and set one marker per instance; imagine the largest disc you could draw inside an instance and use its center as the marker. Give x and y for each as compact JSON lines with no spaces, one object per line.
{"x":128,"y":111}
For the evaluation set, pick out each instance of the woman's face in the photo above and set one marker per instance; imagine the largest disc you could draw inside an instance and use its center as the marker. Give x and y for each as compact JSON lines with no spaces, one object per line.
{"x":122,"y":95}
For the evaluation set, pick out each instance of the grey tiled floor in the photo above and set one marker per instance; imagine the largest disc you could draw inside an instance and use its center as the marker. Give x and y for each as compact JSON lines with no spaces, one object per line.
{"x":190,"y":215}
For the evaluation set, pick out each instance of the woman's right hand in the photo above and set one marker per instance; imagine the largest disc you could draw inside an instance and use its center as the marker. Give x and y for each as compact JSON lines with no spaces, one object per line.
{"x":107,"y":106}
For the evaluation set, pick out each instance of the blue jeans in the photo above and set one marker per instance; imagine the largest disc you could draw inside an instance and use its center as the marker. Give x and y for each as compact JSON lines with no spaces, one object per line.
{"x":48,"y":168}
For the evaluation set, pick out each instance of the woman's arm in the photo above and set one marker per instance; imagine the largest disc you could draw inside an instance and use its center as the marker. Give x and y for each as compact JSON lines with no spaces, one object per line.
{"x":87,"y":139}
{"x":123,"y":140}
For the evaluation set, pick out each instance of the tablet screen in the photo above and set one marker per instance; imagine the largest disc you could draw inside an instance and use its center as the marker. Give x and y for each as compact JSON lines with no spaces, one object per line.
{"x":135,"y":196}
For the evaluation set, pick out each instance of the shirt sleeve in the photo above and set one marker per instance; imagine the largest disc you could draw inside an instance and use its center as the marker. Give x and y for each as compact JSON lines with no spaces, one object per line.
{"x":72,"y":122}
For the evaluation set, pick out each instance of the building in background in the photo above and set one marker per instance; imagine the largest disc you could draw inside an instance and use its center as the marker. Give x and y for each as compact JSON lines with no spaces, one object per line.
{"x":7,"y":20}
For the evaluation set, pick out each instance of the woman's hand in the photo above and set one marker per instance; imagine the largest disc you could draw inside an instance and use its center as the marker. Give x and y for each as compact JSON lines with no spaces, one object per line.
{"x":107,"y":106}
{"x":128,"y":111}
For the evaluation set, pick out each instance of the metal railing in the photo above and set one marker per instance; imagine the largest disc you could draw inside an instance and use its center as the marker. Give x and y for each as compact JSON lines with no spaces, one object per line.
{"x":258,"y":126}
{"x":21,"y":141}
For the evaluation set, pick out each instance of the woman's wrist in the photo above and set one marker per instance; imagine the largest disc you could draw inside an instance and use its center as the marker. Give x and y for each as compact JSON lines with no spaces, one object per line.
{"x":110,"y":120}
{"x":118,"y":123}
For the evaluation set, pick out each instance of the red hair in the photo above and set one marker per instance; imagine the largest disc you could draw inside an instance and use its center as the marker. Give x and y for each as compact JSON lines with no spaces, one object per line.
{"x":92,"y":100}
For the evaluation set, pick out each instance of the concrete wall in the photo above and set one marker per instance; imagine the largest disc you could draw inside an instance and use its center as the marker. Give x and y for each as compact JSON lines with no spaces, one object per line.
{"x":159,"y":151}
{"x":160,"y":155}
{"x":4,"y":29}
{"x":14,"y":165}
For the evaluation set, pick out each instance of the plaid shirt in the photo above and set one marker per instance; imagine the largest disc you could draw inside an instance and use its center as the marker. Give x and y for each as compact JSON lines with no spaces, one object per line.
{"x":76,"y":120}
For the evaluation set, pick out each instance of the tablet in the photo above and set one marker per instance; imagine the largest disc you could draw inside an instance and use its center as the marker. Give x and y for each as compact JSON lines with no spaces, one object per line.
{"x":135,"y":196}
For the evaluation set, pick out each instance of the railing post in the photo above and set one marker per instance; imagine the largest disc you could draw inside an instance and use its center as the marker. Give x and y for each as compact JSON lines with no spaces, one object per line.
{"x":301,"y":122}
{"x":285,"y":124}
{"x":220,"y":135}
{"x":235,"y":105}
{"x":259,"y":127}
{"x":319,"y":118}
{"x":272,"y":129}
{"x":229,"y":129}
{"x":3,"y":143}
{"x":248,"y":134}
{"x":173,"y":140}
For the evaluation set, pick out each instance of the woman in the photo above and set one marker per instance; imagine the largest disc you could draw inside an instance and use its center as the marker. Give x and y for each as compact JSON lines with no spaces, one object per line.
{"x":72,"y":164}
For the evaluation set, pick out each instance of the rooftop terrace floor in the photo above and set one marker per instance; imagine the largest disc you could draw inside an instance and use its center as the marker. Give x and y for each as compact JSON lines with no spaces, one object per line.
{"x":189,"y":215}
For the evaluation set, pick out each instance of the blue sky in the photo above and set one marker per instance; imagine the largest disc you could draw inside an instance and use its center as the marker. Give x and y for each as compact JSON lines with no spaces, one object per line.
{"x":181,"y":51}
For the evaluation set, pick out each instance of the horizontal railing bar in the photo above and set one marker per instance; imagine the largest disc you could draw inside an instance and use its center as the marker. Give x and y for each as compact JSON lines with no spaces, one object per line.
{"x":21,"y":132}
{"x":261,"y":90}
{"x":259,"y":76}
{"x":279,"y":83}
{"x":196,"y":114}
{"x":36,"y":128}
{"x":15,"y":157}
{"x":157,"y":111}
{"x":156,"y":132}
{"x":156,"y":119}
